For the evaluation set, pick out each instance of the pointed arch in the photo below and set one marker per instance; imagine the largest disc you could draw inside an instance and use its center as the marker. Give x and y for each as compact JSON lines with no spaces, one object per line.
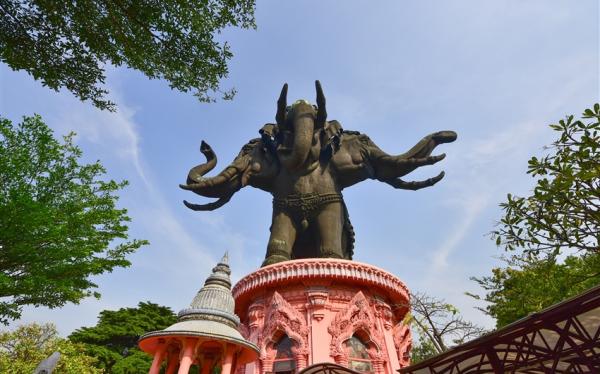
{"x":282,"y":319}
{"x":357,"y":319}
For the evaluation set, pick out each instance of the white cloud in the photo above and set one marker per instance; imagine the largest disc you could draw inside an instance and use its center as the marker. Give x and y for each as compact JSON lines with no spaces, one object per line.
{"x":115,"y":130}
{"x":473,"y":206}
{"x":479,"y":166}
{"x":502,"y":146}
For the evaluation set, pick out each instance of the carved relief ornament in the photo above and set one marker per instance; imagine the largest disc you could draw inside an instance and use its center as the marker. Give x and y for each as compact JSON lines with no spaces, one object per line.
{"x":358,"y":317}
{"x":282,"y":317}
{"x":403,"y":343}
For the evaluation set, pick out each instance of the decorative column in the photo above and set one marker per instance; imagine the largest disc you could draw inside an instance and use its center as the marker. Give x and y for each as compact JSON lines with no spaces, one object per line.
{"x":300,"y":356}
{"x":266,"y":365}
{"x":227,"y":361}
{"x":159,"y":356}
{"x":187,"y":358}
{"x":341,"y":359}
{"x":378,"y":366}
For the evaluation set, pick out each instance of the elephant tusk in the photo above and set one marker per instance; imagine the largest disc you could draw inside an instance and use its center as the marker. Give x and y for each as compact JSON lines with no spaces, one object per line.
{"x":206,"y":183}
{"x":210,"y":206}
{"x":321,"y":108}
{"x":187,"y":187}
{"x":415,"y":185}
{"x":281,"y":105}
{"x":226,"y":175}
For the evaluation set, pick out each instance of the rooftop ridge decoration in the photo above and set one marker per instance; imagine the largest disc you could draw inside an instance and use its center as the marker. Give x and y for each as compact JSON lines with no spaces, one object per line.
{"x":305,"y":161}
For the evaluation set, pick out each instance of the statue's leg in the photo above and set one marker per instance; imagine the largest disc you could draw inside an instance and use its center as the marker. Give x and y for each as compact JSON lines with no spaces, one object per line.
{"x":283,"y":234}
{"x":330,"y":223}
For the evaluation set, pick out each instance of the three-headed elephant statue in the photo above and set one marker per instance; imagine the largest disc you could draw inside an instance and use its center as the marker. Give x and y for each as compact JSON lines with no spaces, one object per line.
{"x":305,"y":161}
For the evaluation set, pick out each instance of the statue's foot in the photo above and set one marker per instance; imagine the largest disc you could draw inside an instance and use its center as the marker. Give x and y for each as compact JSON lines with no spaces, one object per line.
{"x":273,"y":259}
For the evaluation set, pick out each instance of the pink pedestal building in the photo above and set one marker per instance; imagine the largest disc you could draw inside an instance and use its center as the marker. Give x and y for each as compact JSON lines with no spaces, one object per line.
{"x":304,"y":312}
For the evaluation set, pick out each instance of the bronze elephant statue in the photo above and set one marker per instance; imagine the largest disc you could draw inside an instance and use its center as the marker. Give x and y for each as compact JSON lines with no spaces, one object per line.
{"x":305,"y":162}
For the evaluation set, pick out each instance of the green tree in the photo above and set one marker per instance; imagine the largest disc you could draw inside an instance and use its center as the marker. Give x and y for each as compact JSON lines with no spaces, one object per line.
{"x":423,"y":350}
{"x":66,"y":44}
{"x":113,"y":341}
{"x":531,"y":283}
{"x":23,"y":349}
{"x":57,"y":220}
{"x":438,"y":326}
{"x":551,"y":236}
{"x":564,"y":210}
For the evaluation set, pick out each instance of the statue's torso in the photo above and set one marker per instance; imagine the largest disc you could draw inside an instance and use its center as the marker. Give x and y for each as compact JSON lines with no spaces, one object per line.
{"x":318,"y":180}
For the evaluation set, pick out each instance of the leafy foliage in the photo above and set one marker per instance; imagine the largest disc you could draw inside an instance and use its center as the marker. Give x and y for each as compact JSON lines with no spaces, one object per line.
{"x":57,"y":220}
{"x":113,"y":341}
{"x":532,"y":283}
{"x":67,"y":43}
{"x":564,"y":210}
{"x":423,"y":350}
{"x":23,"y":349}
{"x":439,"y":326}
{"x":553,"y":234}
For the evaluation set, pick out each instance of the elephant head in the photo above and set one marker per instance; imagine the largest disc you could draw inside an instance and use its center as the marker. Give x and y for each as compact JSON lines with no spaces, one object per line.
{"x":297,"y":129}
{"x":255,"y":165}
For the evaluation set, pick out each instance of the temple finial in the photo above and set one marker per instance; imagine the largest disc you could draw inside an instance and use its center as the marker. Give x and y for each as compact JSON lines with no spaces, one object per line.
{"x":225,"y":258}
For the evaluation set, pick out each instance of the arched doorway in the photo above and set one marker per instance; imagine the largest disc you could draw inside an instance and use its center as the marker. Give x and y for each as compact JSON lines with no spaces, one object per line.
{"x":283,"y":361}
{"x":358,"y":355}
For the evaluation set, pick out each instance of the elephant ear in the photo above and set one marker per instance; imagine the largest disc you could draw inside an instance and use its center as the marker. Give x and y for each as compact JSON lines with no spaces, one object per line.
{"x":331,"y":139}
{"x":244,"y":166}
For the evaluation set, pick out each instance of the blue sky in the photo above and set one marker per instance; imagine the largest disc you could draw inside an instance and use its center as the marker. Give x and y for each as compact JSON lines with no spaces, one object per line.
{"x":495,"y":72}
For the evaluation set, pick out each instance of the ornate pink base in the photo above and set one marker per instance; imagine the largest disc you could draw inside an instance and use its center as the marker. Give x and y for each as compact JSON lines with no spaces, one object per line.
{"x":320,"y":304}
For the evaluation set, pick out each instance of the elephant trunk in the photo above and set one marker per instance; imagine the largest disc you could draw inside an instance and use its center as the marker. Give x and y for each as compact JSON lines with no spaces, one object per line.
{"x":197,"y":172}
{"x":303,"y":127}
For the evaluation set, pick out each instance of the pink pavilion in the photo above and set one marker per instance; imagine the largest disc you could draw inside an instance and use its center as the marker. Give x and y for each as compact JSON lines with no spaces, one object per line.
{"x":206,"y":334}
